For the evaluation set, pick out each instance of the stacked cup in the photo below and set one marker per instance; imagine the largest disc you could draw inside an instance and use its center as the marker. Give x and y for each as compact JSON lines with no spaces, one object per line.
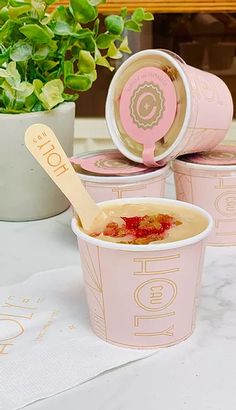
{"x":157,"y":109}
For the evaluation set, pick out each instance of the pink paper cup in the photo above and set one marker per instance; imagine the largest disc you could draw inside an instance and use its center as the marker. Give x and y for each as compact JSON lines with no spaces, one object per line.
{"x":104,"y":188}
{"x":156,"y":95}
{"x":143,"y":296}
{"x":212,"y":187}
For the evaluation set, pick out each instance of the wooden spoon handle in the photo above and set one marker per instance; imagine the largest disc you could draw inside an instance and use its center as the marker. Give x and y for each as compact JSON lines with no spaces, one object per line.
{"x":46,"y":149}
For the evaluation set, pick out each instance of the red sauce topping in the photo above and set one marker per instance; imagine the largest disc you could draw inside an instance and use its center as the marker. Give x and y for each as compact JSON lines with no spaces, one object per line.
{"x":141,"y":230}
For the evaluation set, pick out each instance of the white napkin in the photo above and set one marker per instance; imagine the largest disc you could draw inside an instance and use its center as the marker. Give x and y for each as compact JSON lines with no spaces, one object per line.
{"x":46,"y":344}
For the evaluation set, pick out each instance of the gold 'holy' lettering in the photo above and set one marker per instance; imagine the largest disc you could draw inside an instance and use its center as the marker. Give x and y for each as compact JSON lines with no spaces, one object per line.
{"x":18,"y":328}
{"x":139,"y":321}
{"x":11,"y":314}
{"x":53,"y":158}
{"x":3,"y":347}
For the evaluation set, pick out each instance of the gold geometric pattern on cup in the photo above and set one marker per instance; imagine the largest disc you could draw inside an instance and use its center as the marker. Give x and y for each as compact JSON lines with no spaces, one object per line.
{"x":146,"y":265}
{"x":147,"y":105}
{"x":225,"y":203}
{"x":155,"y":294}
{"x":120,"y":191}
{"x":181,"y":183}
{"x":93,"y":282}
{"x":224,"y":185}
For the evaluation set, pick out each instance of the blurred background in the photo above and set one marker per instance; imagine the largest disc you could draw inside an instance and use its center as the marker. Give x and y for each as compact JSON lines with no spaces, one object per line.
{"x":202,"y":32}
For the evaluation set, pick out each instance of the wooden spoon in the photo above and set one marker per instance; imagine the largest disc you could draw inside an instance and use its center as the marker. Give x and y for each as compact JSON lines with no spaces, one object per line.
{"x":46,"y":149}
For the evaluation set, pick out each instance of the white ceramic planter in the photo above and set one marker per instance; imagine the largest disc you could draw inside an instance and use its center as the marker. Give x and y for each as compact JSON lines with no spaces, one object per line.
{"x":26,"y":191}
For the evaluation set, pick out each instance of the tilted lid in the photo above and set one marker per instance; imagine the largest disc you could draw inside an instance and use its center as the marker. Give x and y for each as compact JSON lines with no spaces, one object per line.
{"x":221,"y":155}
{"x":108,"y":162}
{"x":147,"y":107}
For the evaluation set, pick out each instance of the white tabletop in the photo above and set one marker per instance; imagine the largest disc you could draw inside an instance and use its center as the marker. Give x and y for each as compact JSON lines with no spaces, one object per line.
{"x":198,"y":374}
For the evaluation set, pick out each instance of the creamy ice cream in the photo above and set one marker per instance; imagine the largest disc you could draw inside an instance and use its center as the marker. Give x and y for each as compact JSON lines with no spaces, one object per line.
{"x":149,"y":223}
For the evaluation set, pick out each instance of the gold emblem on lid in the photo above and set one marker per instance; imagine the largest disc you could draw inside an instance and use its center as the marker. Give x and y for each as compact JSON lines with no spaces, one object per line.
{"x":147,"y":105}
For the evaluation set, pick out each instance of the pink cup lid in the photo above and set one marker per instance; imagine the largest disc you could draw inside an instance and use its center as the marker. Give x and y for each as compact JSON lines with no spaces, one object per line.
{"x":221,"y":155}
{"x":110,"y":162}
{"x":147,"y":108}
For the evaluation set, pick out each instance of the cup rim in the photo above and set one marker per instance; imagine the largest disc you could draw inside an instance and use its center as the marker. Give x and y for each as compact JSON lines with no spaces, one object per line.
{"x":155,"y":247}
{"x":203,"y":166}
{"x":109,"y":106}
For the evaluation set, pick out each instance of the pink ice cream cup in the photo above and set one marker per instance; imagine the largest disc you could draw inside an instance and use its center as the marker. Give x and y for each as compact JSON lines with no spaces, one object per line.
{"x":158,"y":108}
{"x":209,"y":181}
{"x":143,"y":296}
{"x":110,"y":175}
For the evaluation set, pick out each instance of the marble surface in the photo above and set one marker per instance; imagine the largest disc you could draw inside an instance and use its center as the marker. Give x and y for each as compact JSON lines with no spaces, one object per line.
{"x":198,"y":374}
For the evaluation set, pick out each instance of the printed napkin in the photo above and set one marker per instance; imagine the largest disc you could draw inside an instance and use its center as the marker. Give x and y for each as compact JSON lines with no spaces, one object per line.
{"x":46,"y":344}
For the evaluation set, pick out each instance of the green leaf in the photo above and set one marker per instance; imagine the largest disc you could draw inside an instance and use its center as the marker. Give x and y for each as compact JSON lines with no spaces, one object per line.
{"x":138,"y":15}
{"x":52,"y":75}
{"x":30,"y":101}
{"x":4,"y":56}
{"x":4,"y":14}
{"x":61,"y":14}
{"x":3,"y":73}
{"x":62,"y":28}
{"x":68,"y":68}
{"x":41,"y":53}
{"x":12,"y":71}
{"x":8,"y":95}
{"x":148,"y":16}
{"x":48,"y":31}
{"x":5,"y":29}
{"x":86,"y":62}
{"x":102,"y":61}
{"x":39,"y":7}
{"x":11,"y":74}
{"x":113,"y":52}
{"x":104,"y":40}
{"x":21,"y":51}
{"x":38,"y":84}
{"x":19,"y":103}
{"x":24,"y":89}
{"x":97,"y":2}
{"x":53,"y":47}
{"x":88,"y":44}
{"x":114,"y":24}
{"x":132,"y":25}
{"x":84,"y":33}
{"x":96,"y":27}
{"x":97,"y":53}
{"x":19,"y":3}
{"x":49,"y":65}
{"x":38,"y":106}
{"x":75,"y":50}
{"x":70,"y":97}
{"x":124,"y":12}
{"x":36,"y":33}
{"x":93,"y":75}
{"x":15,"y":12}
{"x":3,"y":3}
{"x":124,"y":47}
{"x":83,"y":11}
{"x":79,"y":82}
{"x":51,"y":94}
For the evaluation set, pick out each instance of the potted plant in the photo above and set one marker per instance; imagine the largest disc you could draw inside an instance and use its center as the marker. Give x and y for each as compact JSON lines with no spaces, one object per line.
{"x":47,"y":57}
